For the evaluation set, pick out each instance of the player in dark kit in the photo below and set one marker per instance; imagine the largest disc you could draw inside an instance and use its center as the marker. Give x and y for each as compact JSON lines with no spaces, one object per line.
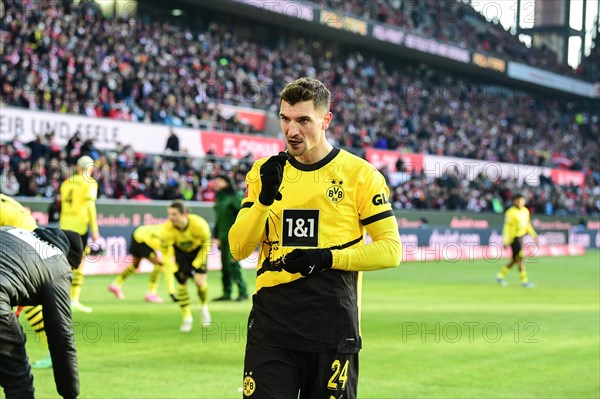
{"x":35,"y":269}
{"x":307,"y":210}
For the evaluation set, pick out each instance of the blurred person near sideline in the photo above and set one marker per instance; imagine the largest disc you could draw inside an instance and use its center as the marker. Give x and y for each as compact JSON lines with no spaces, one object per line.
{"x":12,"y":213}
{"x":35,"y":269}
{"x":147,"y":243}
{"x":190,"y":237}
{"x":517,"y":224}
{"x":78,"y":196}
{"x":307,"y":210}
{"x":228,"y":203}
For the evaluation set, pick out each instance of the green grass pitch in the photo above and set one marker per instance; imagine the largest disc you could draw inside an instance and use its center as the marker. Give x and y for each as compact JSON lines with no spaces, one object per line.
{"x":430,"y":330}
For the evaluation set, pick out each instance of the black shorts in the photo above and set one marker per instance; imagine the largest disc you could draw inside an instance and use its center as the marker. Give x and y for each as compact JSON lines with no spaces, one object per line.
{"x":86,"y":248}
{"x":276,"y":373}
{"x":184,"y":264}
{"x":517,"y":247}
{"x":139,"y":249}
{"x":84,"y":239}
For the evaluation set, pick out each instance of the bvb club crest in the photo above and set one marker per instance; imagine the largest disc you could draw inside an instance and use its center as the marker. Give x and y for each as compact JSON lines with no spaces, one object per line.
{"x":335,"y":192}
{"x":249,"y":384}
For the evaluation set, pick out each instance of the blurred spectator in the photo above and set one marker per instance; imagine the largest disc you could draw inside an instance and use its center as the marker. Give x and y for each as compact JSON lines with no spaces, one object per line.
{"x":172,"y":142}
{"x":9,"y":184}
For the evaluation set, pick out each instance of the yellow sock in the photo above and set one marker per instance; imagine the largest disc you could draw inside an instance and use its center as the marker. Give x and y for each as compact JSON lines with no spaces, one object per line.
{"x":35,"y":318}
{"x":184,"y":301}
{"x":524,"y":278}
{"x":129,"y":270}
{"x":502,"y":273}
{"x":186,"y":312}
{"x":76,"y":284}
{"x":169,"y":281}
{"x":153,"y":284}
{"x":203,"y":294}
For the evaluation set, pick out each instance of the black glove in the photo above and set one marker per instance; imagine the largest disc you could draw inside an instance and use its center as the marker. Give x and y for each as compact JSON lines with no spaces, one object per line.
{"x":174,"y":298}
{"x":271,"y":174}
{"x":308,"y":262}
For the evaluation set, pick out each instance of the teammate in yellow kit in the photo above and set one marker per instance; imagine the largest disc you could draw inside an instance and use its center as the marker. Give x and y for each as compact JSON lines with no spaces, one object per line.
{"x":516,"y":225}
{"x":78,"y":213}
{"x":12,"y":213}
{"x":190,"y":236}
{"x":147,"y":243}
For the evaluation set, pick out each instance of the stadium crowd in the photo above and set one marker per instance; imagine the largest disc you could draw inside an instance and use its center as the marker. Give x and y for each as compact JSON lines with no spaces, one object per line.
{"x":38,"y":167}
{"x":87,"y":64}
{"x":457,"y":23}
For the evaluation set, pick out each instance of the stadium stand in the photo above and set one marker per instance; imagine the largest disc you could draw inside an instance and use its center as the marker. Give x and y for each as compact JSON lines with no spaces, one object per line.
{"x":454,"y":22}
{"x":590,"y":65}
{"x":145,"y":71}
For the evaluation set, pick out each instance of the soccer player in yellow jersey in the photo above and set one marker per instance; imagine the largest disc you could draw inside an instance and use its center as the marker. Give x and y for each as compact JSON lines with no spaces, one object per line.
{"x":307,"y":211}
{"x":78,"y":213}
{"x":190,"y":236}
{"x":516,"y":225}
{"x":147,"y":243}
{"x":12,"y":213}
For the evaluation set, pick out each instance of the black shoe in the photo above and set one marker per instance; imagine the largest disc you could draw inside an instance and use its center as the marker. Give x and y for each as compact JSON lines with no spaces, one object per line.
{"x":222,"y":299}
{"x":242,"y":298}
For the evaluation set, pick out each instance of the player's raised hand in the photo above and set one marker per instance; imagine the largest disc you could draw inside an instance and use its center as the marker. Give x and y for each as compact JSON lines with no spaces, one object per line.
{"x":271,"y":175}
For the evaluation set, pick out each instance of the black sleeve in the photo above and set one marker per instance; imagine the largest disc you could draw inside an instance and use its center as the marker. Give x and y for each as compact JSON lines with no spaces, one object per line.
{"x":59,"y":329}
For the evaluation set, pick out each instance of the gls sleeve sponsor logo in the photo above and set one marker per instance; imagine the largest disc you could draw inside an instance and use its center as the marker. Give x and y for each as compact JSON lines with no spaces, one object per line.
{"x":380,"y":199}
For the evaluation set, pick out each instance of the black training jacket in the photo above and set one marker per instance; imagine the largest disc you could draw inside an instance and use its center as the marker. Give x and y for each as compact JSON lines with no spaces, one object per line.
{"x":33,"y":272}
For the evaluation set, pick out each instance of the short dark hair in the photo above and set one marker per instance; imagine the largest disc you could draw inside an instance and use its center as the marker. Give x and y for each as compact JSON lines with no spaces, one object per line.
{"x":179,"y":205}
{"x":306,"y":89}
{"x":518,"y":196}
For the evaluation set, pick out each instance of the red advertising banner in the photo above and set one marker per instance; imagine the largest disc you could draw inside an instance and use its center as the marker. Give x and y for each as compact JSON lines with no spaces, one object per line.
{"x":388,"y":158}
{"x":239,"y":145}
{"x":256,"y":118}
{"x":567,"y":177}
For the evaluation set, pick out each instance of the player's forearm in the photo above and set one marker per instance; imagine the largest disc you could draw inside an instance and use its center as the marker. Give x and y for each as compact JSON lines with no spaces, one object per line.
{"x":202,"y":256}
{"x":382,"y":254}
{"x":93,"y":216}
{"x":59,"y":329}
{"x":247,"y":231}
{"x":506,"y":235}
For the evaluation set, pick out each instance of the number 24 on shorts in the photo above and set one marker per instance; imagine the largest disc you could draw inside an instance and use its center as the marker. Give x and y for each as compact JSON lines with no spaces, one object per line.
{"x":340,"y":375}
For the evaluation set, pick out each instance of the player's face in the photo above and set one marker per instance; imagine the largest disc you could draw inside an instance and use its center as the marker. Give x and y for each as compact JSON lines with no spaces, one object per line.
{"x":220,"y":184}
{"x":303,"y":127}
{"x":177,"y":218}
{"x":520,"y":202}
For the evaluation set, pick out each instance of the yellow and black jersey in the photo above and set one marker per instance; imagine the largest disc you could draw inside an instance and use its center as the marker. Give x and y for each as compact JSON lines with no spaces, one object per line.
{"x":195,"y":236}
{"x":330,"y":204}
{"x":12,"y":213}
{"x":516,"y":224}
{"x":151,"y":235}
{"x":78,"y":204}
